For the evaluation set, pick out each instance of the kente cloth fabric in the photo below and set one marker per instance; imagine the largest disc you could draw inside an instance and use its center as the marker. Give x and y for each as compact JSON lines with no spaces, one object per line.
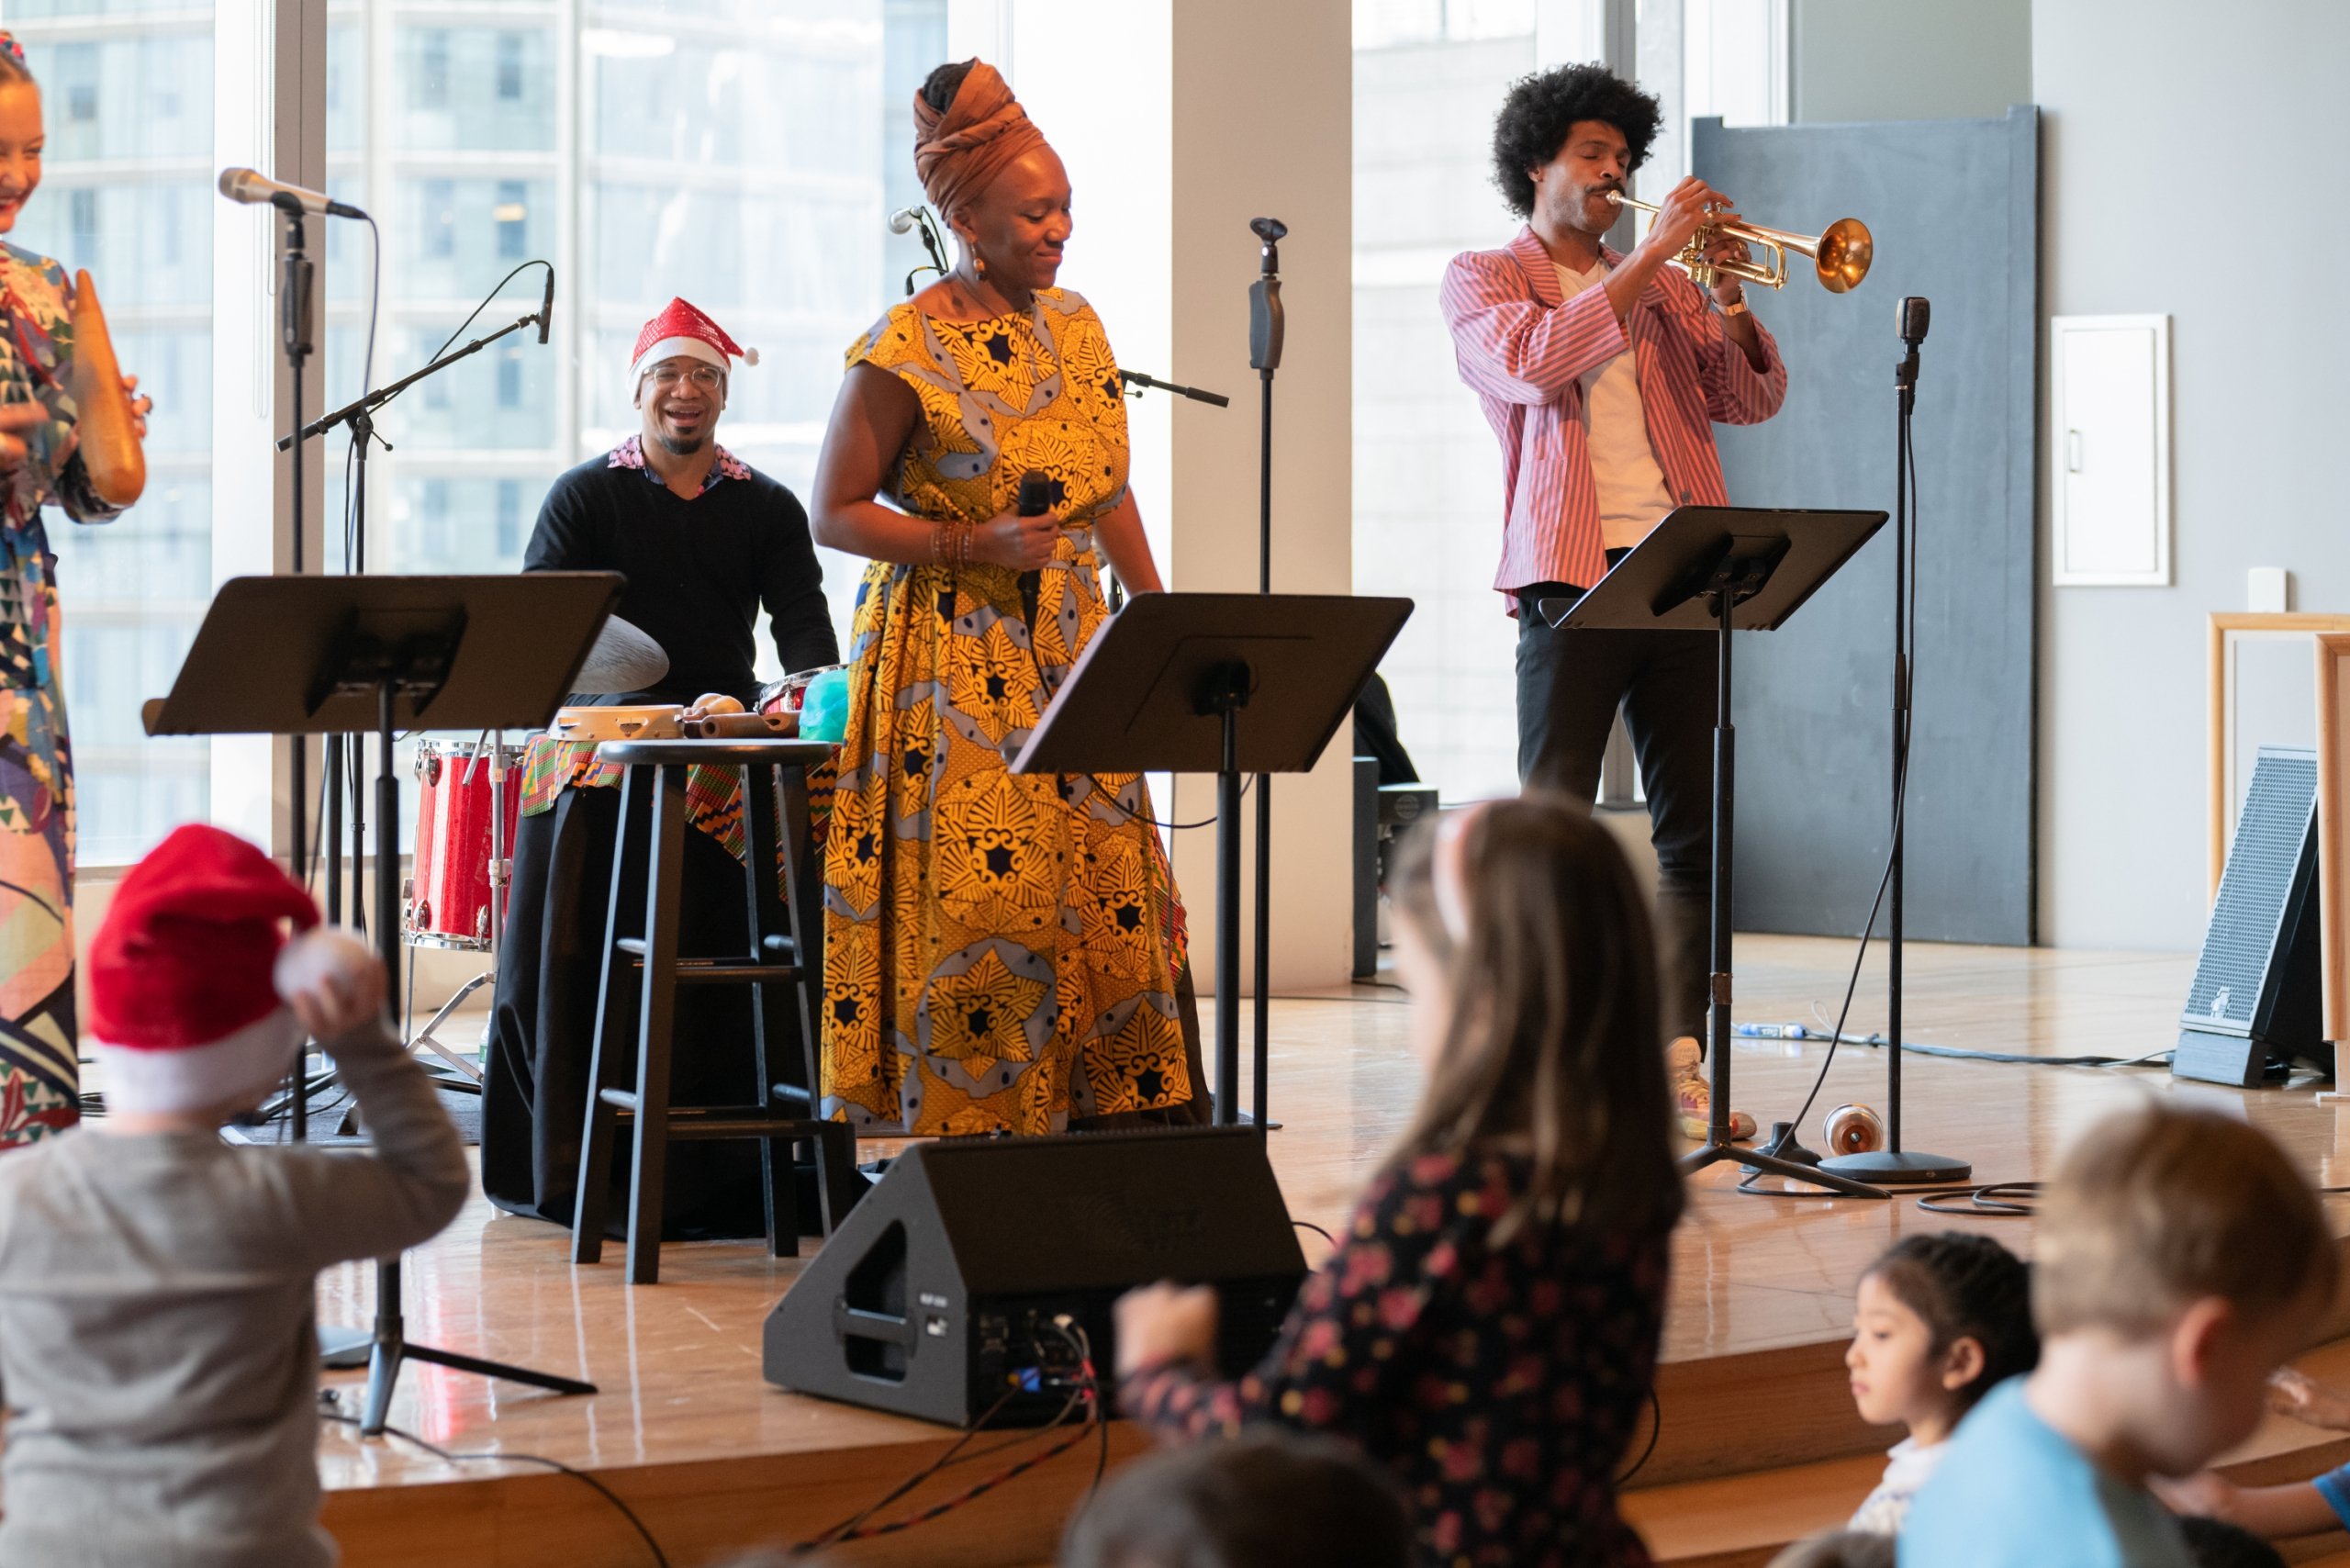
{"x":1000,"y":949}
{"x":40,"y":1082}
{"x":958,"y":154}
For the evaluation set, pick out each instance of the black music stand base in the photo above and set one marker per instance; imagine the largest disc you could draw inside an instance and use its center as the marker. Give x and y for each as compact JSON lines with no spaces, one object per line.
{"x":1733,"y":582}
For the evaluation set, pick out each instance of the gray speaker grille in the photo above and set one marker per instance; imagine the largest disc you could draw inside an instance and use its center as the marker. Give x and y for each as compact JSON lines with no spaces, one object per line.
{"x":2270,"y":837}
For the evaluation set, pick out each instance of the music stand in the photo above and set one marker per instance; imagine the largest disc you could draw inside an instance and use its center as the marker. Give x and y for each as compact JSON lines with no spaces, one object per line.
{"x":297,"y":656}
{"x":1162,"y":690}
{"x":1723,"y":569}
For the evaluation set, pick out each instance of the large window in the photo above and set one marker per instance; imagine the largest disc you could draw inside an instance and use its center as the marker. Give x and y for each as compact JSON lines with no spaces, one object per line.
{"x":1428,"y":77}
{"x":741,"y":154}
{"x":126,"y":102}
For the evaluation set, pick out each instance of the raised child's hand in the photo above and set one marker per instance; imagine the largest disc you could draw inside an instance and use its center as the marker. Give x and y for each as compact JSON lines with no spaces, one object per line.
{"x":332,"y":980}
{"x":2206,"y":1496}
{"x":2297,"y":1395}
{"x":1163,"y":1323}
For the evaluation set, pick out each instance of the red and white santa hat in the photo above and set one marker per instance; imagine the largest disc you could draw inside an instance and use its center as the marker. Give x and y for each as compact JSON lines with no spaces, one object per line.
{"x":189,"y":972}
{"x":680,"y":328}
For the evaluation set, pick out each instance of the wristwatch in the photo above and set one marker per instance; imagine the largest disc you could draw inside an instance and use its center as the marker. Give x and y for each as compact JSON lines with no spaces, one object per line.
{"x":1735,"y":308}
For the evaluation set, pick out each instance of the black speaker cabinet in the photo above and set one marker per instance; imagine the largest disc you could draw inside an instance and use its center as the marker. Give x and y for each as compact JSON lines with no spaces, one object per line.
{"x":2255,"y":1003}
{"x":954,"y":1283}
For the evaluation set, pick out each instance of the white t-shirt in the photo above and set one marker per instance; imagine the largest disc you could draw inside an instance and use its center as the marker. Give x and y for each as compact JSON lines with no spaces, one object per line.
{"x":1909,"y":1467}
{"x":1632,"y":495}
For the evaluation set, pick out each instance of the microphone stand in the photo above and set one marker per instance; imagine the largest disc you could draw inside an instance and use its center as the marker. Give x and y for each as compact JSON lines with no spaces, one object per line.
{"x":360,"y":417}
{"x":1136,"y":383}
{"x":384,"y":1346}
{"x":295,"y":324}
{"x":1893,"y":1163}
{"x":1265,"y":324}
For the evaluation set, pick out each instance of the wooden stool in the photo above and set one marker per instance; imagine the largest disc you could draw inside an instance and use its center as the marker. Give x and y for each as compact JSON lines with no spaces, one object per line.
{"x":786,"y":950}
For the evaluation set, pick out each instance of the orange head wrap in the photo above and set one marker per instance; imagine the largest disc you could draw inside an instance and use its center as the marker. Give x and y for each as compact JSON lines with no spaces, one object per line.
{"x":984,"y":132}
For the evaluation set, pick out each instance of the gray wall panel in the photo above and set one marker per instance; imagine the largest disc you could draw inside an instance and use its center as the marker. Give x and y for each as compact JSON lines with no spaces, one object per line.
{"x":1953,"y":203}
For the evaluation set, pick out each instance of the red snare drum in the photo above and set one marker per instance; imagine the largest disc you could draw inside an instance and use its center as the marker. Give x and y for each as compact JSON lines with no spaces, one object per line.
{"x":448,"y":896}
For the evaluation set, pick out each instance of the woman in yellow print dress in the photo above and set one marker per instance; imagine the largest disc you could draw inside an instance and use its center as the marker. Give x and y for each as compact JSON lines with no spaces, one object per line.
{"x":1002,"y":951}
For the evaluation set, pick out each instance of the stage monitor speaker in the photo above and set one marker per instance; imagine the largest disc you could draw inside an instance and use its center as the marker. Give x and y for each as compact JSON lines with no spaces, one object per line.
{"x":952,"y":1285}
{"x":2254,"y":1005}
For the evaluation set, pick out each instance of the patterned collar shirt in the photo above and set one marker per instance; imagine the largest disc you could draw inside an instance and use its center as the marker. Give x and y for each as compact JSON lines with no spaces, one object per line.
{"x":629,"y":454}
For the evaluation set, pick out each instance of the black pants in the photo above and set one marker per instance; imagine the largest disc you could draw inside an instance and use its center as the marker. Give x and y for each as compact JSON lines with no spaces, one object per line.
{"x":1570,"y":685}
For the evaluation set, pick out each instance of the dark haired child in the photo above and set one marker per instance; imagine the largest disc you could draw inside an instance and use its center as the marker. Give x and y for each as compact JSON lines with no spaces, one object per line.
{"x":1269,"y":1499}
{"x":1938,"y":1322}
{"x":1487,"y":1328}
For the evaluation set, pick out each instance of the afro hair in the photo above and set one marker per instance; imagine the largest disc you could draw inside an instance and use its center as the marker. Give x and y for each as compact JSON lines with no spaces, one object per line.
{"x":1540,"y":110}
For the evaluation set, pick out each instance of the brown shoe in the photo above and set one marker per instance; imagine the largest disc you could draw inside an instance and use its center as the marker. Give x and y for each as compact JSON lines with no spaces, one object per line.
{"x":1693,"y":1097}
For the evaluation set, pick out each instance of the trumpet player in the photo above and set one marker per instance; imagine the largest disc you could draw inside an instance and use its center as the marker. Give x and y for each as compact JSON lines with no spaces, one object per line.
{"x":69,"y":437}
{"x":1603,"y":374}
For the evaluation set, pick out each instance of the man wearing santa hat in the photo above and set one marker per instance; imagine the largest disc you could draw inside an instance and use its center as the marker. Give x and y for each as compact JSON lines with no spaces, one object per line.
{"x":157,"y":1283}
{"x":705,"y":541}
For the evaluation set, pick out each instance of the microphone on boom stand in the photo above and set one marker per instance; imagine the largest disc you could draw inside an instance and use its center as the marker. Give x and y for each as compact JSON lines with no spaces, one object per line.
{"x":1893,"y":1163}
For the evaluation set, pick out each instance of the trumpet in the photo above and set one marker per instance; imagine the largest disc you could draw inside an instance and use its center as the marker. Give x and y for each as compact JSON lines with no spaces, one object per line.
{"x":108,"y":426}
{"x":1840,"y":255}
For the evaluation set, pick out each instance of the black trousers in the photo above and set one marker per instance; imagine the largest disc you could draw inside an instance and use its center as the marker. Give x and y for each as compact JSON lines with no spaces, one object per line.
{"x":1570,"y":685}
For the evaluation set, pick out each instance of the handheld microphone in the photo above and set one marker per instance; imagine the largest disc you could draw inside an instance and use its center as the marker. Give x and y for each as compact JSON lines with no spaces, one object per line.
{"x":1036,"y":493}
{"x":1265,"y":298}
{"x":1035,"y":500}
{"x":546,"y":307}
{"x":252,"y":188}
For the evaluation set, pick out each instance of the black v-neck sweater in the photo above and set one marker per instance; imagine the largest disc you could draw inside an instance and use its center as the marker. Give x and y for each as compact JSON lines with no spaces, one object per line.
{"x":697,"y":571}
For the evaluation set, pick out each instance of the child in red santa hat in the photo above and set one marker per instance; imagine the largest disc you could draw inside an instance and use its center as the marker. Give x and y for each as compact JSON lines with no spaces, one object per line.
{"x":157,"y":1283}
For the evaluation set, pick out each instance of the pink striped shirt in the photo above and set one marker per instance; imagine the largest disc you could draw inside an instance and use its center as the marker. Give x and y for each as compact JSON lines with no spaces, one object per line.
{"x":1524,"y":352}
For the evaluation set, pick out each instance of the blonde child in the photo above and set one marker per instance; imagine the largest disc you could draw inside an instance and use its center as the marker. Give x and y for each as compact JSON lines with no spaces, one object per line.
{"x":2179,"y":1259}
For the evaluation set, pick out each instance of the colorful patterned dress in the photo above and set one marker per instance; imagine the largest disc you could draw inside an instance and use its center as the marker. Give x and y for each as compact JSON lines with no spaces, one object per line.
{"x":1001,"y":951}
{"x":39,"y":1082}
{"x":1501,"y":1383}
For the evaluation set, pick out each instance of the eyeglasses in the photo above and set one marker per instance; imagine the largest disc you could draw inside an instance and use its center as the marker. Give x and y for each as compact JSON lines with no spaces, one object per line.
{"x":708,"y":377}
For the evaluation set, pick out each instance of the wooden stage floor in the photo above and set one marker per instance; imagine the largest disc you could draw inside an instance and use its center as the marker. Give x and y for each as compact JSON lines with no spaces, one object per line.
{"x":715,"y":1459}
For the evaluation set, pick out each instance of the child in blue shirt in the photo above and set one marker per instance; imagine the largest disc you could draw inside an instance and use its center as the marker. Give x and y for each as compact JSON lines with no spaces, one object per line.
{"x":2159,"y":1327}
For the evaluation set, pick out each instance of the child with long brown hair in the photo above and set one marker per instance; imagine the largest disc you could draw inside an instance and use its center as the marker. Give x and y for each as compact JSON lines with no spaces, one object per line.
{"x":1487,"y":1328}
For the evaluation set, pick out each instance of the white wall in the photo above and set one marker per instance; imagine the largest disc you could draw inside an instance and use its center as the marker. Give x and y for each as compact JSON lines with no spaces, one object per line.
{"x":2178,"y":161}
{"x":1866,"y":60}
{"x":1262,"y":110}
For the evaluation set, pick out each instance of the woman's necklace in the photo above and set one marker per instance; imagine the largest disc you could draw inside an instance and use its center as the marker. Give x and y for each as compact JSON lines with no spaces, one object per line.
{"x":975,"y":294}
